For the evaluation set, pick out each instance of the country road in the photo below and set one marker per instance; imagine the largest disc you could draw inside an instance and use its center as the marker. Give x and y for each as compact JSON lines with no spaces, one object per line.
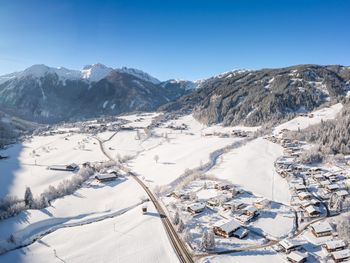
{"x":180,"y":248}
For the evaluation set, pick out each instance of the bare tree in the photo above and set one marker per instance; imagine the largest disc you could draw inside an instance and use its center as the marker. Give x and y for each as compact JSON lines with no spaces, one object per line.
{"x":156,"y":158}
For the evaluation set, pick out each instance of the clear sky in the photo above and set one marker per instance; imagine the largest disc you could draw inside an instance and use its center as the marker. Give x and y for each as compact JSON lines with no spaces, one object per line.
{"x":187,"y":39}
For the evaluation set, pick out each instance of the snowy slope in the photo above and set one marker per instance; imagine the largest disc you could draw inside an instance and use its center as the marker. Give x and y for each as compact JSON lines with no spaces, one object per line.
{"x":252,"y":168}
{"x":303,"y":122}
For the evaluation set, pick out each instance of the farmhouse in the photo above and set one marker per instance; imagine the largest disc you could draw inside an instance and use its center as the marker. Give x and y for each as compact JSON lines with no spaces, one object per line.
{"x":289,"y":245}
{"x":296,"y":257}
{"x":106,"y":177}
{"x":341,"y":256}
{"x":322,"y":229}
{"x":312,"y":211}
{"x":335,"y":245}
{"x":230,"y":229}
{"x":196,"y":208}
{"x":304,"y":195}
{"x":70,"y":167}
{"x":332,"y":187}
{"x":261,"y":203}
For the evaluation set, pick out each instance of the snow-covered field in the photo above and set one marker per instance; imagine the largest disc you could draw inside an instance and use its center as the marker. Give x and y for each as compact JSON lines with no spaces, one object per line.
{"x":252,"y":168}
{"x":28,"y":162}
{"x":104,"y":223}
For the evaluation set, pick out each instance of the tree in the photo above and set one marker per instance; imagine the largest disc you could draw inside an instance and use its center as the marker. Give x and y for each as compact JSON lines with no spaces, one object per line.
{"x":187,"y":236}
{"x":28,"y":198}
{"x":176,"y":219}
{"x":208,"y":241}
{"x":181,"y":226}
{"x":343,"y":228}
{"x":156,"y":158}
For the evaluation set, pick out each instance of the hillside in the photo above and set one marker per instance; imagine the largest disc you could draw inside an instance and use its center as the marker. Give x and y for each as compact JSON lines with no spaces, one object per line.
{"x":49,"y":95}
{"x":267,"y":95}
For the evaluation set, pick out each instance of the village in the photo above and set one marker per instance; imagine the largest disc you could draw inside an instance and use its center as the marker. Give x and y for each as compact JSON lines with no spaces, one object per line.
{"x":201,"y":203}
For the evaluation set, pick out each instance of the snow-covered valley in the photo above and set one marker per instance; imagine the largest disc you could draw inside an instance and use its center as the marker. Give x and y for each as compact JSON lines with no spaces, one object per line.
{"x":202,"y":175}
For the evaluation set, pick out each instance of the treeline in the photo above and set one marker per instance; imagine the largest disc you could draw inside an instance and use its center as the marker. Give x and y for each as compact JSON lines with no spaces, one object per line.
{"x":13,"y":205}
{"x":332,"y":136}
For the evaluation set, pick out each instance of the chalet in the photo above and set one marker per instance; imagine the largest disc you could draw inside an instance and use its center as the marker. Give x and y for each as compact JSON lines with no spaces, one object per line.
{"x":233,"y":205}
{"x":335,"y":245}
{"x":196,"y":208}
{"x":322,"y":229}
{"x":261,"y":203}
{"x":296,"y":257}
{"x":222,"y":186}
{"x":250,"y":211}
{"x":318,"y":177}
{"x":289,"y":245}
{"x":332,"y":187}
{"x":325,"y":183}
{"x":313,"y":211}
{"x":304,"y":195}
{"x":101,"y":178}
{"x":70,"y":167}
{"x":300,"y":188}
{"x":181,"y":195}
{"x":311,"y":202}
{"x":341,"y":255}
{"x":230,"y":229}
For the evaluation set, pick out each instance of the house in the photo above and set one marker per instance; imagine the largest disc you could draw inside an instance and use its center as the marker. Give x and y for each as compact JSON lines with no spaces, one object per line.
{"x":332,"y":187}
{"x":335,"y":245}
{"x":304,"y":195}
{"x":322,"y":229}
{"x":261,"y":203}
{"x":181,"y":195}
{"x":230,"y":229}
{"x":312,"y":211}
{"x":70,"y":167}
{"x":196,"y":208}
{"x":289,"y":245}
{"x":300,"y":188}
{"x":318,"y":177}
{"x":233,"y":205}
{"x":250,"y":211}
{"x":306,"y":203}
{"x":296,"y":257}
{"x":341,"y":255}
{"x":101,"y":178}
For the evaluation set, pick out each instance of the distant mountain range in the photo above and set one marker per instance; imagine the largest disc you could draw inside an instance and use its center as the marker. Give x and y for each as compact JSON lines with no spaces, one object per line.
{"x":45,"y":94}
{"x":250,"y":97}
{"x":256,"y":97}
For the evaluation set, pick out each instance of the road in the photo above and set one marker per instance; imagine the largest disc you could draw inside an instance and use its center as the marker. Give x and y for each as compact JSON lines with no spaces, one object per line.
{"x":179,"y":246}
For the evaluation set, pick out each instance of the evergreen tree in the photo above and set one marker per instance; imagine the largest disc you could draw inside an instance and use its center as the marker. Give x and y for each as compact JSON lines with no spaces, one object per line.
{"x":28,"y":198}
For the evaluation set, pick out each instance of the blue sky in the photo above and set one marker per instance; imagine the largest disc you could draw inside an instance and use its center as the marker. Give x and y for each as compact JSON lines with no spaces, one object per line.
{"x":187,"y":39}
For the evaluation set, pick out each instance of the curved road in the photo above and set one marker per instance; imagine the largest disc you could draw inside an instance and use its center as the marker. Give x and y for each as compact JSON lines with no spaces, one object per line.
{"x":180,"y":248}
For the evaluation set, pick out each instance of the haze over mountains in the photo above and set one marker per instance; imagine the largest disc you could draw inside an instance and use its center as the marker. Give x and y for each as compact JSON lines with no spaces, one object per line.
{"x":251,"y":97}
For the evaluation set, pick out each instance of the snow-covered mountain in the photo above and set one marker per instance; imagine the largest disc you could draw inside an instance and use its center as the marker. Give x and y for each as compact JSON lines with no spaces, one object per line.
{"x":47,"y":94}
{"x":262,"y":96}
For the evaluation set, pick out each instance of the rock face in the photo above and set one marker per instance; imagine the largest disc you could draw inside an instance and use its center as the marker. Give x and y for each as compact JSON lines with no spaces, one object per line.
{"x":49,"y":95}
{"x":267,"y":95}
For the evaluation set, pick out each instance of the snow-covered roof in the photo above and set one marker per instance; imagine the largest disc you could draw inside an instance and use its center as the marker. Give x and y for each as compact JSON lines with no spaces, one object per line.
{"x":342,"y":254}
{"x":197,"y":206}
{"x":312,"y":209}
{"x":335,"y":244}
{"x":297,"y":256}
{"x":229,"y":226}
{"x":105,"y":176}
{"x":322,"y":227}
{"x":290,"y":243}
